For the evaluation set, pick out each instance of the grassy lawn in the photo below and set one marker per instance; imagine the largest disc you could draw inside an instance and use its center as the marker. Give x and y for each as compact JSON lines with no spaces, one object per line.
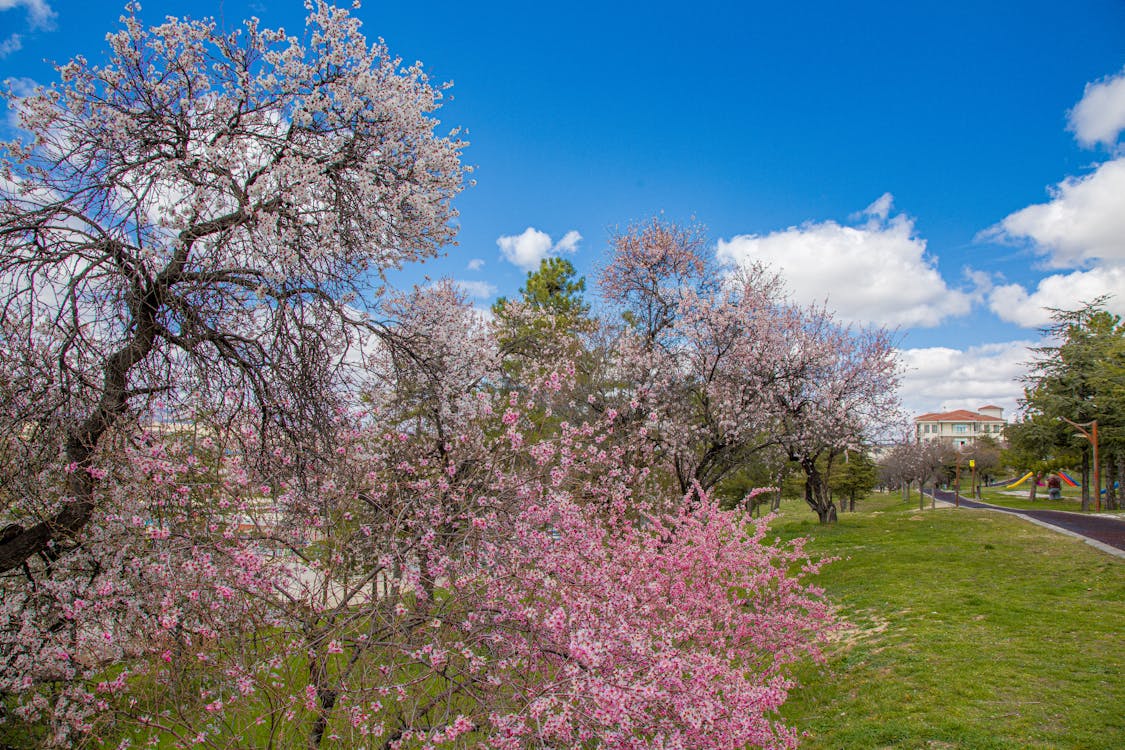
{"x":968,"y":629}
{"x":1017,"y":498}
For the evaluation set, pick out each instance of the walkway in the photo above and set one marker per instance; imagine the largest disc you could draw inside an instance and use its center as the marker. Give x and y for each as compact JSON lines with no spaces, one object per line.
{"x":1104,"y":532}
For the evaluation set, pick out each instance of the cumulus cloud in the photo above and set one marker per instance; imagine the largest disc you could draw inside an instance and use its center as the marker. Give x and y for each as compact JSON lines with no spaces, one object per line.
{"x":1083,"y":222}
{"x":526,"y":250}
{"x":1099,"y":117}
{"x":476,"y":264}
{"x":944,"y":379}
{"x":569,"y":242}
{"x":477,"y":289}
{"x":20,"y":88}
{"x":876,"y":272}
{"x":39,"y":12}
{"x":10,"y":45}
{"x":1068,"y":291}
{"x":1080,"y":229}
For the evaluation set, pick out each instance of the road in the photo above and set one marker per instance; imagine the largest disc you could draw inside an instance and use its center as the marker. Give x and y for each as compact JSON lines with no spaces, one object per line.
{"x":1105,"y":530}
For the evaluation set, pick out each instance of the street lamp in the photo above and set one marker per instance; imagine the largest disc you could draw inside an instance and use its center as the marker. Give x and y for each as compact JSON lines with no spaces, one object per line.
{"x":1092,"y":436}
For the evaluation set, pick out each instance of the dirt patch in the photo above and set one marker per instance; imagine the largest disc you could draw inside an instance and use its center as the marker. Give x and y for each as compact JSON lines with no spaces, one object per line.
{"x":862,"y":627}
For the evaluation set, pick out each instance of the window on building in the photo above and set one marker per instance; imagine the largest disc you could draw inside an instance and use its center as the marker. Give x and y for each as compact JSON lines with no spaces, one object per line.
{"x":960,"y":429}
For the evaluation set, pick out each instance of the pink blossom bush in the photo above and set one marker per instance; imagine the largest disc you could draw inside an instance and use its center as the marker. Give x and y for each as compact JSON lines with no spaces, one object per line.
{"x":480,"y":590}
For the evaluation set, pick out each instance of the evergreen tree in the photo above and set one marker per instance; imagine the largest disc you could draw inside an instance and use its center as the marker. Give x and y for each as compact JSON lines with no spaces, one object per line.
{"x":549,"y":316}
{"x":1080,"y":379}
{"x":857,"y":475}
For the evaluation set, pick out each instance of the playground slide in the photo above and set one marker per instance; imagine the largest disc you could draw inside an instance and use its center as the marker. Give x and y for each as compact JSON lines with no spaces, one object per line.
{"x":1066,"y":478}
{"x":1020,"y":481}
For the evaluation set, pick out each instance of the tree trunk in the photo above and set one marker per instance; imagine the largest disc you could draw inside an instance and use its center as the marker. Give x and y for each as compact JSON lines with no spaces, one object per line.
{"x":20,"y":543}
{"x":326,"y":694}
{"x":1031,"y":493}
{"x":816,"y":493}
{"x":1121,"y":475}
{"x":1085,"y":480}
{"x":1111,"y":480}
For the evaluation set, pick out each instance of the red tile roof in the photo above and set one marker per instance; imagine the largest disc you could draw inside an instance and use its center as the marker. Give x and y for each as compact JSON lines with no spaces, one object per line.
{"x":959,"y":415}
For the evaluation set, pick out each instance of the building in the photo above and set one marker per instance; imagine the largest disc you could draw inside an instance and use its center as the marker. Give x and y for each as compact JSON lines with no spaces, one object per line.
{"x":960,"y":427}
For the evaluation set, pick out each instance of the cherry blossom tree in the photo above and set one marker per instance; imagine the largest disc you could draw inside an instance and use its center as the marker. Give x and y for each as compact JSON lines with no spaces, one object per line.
{"x":730,"y":367}
{"x":189,"y":234}
{"x":915,"y":461}
{"x":195,"y":216}
{"x":845,"y":391}
{"x":700,"y":350}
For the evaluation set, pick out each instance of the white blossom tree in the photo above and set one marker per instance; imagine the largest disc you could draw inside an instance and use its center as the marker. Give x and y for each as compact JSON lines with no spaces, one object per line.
{"x":202,"y":215}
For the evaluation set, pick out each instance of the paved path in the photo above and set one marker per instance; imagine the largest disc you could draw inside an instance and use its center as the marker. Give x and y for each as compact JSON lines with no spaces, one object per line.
{"x":1107,"y":533}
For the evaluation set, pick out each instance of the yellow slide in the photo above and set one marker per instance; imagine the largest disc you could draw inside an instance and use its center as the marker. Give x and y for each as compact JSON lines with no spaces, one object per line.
{"x":1019,"y":481}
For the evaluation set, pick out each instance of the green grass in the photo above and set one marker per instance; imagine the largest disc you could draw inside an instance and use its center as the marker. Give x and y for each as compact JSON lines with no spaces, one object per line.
{"x":1018,"y":498}
{"x":966,"y":629}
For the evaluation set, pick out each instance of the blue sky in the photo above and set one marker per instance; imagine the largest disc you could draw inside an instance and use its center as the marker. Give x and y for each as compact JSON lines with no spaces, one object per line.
{"x":945,"y":168}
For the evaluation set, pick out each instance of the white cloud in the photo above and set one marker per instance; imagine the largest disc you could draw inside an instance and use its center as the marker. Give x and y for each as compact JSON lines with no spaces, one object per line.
{"x":39,"y":13}
{"x":878,"y":211}
{"x":1099,"y":117}
{"x":477,"y":289}
{"x":10,"y":45}
{"x":526,"y":250}
{"x":476,"y":264}
{"x":21,"y":88}
{"x":944,"y":379}
{"x":1085,"y":220}
{"x":1013,"y":303}
{"x":1082,"y":227}
{"x":569,"y":242}
{"x":878,"y":272}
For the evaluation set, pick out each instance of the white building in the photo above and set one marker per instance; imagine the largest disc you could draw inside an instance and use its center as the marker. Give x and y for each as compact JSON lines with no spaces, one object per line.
{"x":960,"y":427}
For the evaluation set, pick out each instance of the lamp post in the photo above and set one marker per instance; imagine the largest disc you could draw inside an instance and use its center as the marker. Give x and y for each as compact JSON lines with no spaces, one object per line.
{"x":1092,"y":436}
